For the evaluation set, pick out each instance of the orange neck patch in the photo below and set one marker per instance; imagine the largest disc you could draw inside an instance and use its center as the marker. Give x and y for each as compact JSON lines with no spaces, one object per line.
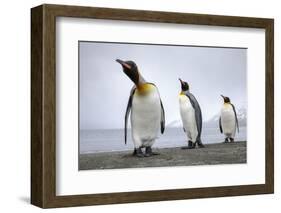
{"x":144,"y":89}
{"x":181,"y":93}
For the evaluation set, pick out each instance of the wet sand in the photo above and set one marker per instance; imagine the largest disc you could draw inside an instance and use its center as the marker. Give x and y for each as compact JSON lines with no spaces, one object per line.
{"x":212,"y":154}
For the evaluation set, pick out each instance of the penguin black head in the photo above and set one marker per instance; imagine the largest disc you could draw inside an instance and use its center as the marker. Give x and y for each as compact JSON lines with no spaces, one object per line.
{"x":226,"y":99}
{"x":184,"y":85}
{"x":130,"y":69}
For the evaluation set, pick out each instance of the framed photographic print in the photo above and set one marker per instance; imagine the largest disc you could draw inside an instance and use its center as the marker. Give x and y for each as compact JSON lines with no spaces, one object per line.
{"x":136,"y":106}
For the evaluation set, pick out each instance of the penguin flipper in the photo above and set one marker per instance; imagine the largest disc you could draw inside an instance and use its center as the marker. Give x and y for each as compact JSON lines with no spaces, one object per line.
{"x":128,"y":110}
{"x":220,"y":125}
{"x":162,"y":121}
{"x":236,"y":119}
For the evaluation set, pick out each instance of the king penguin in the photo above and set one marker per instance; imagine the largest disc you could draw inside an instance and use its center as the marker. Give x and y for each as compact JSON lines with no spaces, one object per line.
{"x":145,"y":109}
{"x":191,"y":116}
{"x":228,"y":120}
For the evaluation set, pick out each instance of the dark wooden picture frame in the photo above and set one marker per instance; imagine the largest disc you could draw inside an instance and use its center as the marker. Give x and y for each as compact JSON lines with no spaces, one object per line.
{"x":43,"y":105}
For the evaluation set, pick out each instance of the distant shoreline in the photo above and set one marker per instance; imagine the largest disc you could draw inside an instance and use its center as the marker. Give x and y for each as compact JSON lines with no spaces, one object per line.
{"x":212,"y":154}
{"x":102,"y":141}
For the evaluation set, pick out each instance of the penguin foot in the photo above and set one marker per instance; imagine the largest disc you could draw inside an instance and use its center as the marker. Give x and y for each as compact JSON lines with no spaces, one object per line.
{"x":135,"y":152}
{"x":148,"y":152}
{"x":201,"y":145}
{"x":191,"y":145}
{"x":226,"y":140}
{"x":138,"y":153}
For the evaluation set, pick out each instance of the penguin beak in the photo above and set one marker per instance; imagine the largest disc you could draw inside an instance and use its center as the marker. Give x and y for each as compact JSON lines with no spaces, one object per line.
{"x":223,"y":98}
{"x":181,"y":81}
{"x":123,"y":63}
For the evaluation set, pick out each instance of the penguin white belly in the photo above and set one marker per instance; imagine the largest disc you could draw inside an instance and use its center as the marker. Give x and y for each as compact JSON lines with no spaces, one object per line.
{"x":145,"y":117}
{"x":228,"y":122}
{"x":188,"y":117}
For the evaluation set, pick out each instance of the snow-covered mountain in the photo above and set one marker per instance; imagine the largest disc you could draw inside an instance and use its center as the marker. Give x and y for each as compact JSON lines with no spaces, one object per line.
{"x":241,"y":116}
{"x":174,"y":124}
{"x":214,"y":121}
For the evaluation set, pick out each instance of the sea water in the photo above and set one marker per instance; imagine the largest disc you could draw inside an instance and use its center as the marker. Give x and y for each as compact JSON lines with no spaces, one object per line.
{"x":110,"y":140}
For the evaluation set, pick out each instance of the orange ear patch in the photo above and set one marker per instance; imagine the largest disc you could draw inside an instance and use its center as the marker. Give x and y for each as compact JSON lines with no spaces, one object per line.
{"x":126,"y":65}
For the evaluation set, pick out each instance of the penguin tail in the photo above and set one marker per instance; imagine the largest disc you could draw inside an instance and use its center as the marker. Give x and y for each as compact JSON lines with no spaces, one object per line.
{"x":162,"y":128}
{"x":125,"y":136}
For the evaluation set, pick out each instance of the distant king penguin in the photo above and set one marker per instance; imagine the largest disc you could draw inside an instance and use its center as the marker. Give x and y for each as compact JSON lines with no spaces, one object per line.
{"x":228,"y":120}
{"x":191,"y":116}
{"x":146,"y":110}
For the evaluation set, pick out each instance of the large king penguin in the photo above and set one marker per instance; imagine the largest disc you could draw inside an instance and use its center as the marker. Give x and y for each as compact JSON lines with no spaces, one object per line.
{"x":191,"y":116}
{"x":147,"y":112}
{"x":228,"y":120}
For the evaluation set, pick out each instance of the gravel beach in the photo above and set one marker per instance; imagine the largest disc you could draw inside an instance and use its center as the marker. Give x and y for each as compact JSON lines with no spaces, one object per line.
{"x":219,"y":153}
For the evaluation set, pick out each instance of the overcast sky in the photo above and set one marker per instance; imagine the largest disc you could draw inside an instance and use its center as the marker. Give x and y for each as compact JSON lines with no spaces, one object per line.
{"x":104,"y":88}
